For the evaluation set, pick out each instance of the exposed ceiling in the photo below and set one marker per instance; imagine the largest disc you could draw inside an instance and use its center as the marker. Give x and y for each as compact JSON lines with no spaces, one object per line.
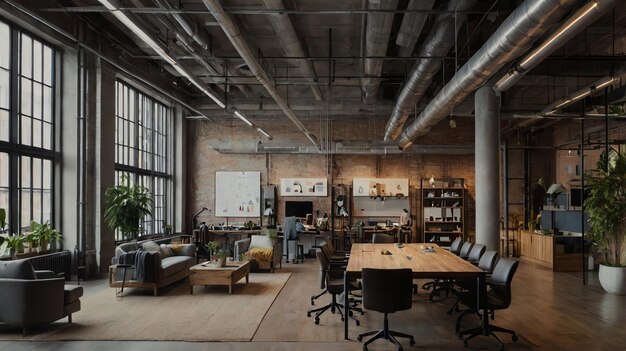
{"x":352,"y":57}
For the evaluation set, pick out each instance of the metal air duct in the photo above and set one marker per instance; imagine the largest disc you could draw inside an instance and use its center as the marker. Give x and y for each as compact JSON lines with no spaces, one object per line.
{"x":516,"y":34}
{"x":291,"y":43}
{"x":376,"y":40}
{"x":439,"y":42}
{"x":234,"y":35}
{"x":412,"y":25}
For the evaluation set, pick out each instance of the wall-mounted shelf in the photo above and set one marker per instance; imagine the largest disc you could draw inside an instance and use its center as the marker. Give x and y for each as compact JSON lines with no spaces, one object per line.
{"x":443,"y":214}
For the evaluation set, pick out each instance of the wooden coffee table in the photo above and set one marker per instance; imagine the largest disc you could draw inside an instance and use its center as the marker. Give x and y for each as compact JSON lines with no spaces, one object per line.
{"x":207,"y":274}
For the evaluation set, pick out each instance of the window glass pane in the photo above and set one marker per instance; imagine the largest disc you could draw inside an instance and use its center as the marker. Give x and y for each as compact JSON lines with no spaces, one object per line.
{"x":5,"y":88}
{"x":4,"y":125}
{"x":26,"y":68}
{"x":36,"y":173}
{"x":46,"y":214}
{"x":26,"y":90}
{"x":25,"y":163}
{"x":47,"y":65}
{"x":25,"y":214}
{"x":5,"y":43}
{"x":37,"y":133}
{"x":37,"y":100}
{"x":47,"y":174}
{"x":47,"y":136}
{"x":47,"y":104}
{"x":37,"y":61}
{"x":37,"y":208}
{"x":26,"y":129}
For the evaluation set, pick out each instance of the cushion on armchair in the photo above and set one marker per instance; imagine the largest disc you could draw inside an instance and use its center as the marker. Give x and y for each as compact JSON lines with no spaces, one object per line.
{"x":260,"y":254}
{"x":17,"y":269}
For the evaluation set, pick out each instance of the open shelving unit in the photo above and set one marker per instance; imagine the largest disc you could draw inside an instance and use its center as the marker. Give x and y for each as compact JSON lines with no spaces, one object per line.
{"x":443,"y":210}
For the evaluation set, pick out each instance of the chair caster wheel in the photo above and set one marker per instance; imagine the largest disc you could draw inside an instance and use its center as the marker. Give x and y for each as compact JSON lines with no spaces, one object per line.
{"x":412,"y":342}
{"x":357,"y":323}
{"x":308,"y":314}
{"x":359,"y":338}
{"x":342,"y":319}
{"x":514,"y":337}
{"x":364,"y":348}
{"x":465,"y":343}
{"x":351,"y":313}
{"x":317,"y":321}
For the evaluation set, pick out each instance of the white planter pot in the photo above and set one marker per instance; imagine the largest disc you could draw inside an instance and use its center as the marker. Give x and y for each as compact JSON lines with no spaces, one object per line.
{"x":613,"y":279}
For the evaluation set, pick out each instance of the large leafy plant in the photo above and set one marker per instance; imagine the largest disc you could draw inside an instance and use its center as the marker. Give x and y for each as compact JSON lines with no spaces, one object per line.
{"x":606,"y":207}
{"x":126,"y":205}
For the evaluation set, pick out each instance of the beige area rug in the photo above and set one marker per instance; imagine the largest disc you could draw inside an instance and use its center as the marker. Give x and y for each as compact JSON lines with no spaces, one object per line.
{"x":210,"y":314}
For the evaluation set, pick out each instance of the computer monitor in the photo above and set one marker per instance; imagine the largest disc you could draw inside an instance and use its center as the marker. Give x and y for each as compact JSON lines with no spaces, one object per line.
{"x":298,"y":208}
{"x":575,"y":199}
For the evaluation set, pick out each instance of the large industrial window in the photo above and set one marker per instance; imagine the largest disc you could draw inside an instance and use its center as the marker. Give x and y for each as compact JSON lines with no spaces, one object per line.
{"x":142,"y":126}
{"x":27,"y":148}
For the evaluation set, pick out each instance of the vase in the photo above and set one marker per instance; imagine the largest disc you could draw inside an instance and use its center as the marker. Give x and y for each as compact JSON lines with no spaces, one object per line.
{"x":221,"y":262}
{"x":613,"y":279}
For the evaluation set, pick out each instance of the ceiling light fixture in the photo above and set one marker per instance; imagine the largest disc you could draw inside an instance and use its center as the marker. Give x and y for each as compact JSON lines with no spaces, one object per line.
{"x":570,"y":27}
{"x":113,"y":7}
{"x":582,"y":93}
{"x":264,"y":133}
{"x":243,"y":118}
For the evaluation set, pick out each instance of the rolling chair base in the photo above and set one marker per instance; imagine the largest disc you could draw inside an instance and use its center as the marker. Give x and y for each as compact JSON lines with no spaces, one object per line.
{"x":386,"y":334}
{"x":490,"y":330}
{"x":333,"y":306}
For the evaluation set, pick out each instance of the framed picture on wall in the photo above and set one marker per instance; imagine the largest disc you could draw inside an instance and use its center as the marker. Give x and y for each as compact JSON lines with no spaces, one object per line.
{"x":303,"y":187}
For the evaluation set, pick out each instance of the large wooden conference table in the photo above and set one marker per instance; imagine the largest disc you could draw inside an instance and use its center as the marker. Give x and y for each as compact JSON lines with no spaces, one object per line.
{"x":424,"y":262}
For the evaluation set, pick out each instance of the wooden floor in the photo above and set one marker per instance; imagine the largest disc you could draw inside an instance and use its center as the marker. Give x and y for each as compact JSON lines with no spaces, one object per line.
{"x":550,"y":311}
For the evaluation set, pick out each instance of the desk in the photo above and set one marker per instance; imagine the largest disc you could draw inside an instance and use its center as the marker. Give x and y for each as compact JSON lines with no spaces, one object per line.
{"x":438,"y":264}
{"x":198,"y":237}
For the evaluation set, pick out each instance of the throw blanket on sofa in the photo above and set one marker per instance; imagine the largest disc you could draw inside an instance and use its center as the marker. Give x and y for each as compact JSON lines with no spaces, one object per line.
{"x":144,"y":271}
{"x":260,"y":254}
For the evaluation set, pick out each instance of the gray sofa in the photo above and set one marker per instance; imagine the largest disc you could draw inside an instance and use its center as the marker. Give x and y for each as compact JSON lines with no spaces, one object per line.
{"x":32,"y":298}
{"x":163,"y":264}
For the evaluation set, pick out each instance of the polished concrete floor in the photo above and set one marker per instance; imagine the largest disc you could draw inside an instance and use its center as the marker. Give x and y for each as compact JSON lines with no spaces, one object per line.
{"x":550,"y":311}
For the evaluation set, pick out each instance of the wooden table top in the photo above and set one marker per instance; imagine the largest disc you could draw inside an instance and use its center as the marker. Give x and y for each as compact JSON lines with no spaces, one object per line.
{"x":210,"y":266}
{"x":435,"y":263}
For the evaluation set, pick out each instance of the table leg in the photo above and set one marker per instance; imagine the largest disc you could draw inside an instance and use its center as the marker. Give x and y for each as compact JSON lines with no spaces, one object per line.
{"x":190,"y":289}
{"x":247,"y":276}
{"x":346,"y":305}
{"x":230,"y":289}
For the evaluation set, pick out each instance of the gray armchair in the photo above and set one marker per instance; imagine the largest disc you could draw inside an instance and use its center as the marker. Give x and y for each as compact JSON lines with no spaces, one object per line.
{"x":262,"y":251}
{"x":31,"y":298}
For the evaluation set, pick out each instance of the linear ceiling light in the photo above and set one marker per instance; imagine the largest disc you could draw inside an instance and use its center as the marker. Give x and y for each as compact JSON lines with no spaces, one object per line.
{"x":577,"y":22}
{"x":243,"y":118}
{"x":113,"y":6}
{"x":582,"y":93}
{"x":264,"y":133}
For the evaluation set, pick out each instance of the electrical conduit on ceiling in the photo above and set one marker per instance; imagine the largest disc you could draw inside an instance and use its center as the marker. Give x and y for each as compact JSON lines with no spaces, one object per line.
{"x":516,"y":34}
{"x":234,"y":35}
{"x":437,"y":44}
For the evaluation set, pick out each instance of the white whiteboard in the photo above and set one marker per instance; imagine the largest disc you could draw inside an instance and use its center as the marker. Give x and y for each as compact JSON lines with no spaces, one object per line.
{"x":237,"y":194}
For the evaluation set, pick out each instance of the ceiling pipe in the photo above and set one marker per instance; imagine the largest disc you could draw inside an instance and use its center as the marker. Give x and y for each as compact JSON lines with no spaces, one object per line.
{"x":412,"y":25}
{"x":231,"y":30}
{"x":133,"y":25}
{"x":201,"y":37}
{"x":577,"y":22}
{"x":516,"y":34}
{"x":376,"y":40}
{"x":291,"y":44}
{"x":437,"y":44}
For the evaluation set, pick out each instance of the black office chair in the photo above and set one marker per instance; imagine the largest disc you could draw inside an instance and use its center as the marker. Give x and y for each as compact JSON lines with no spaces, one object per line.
{"x":379,"y":238}
{"x":386,"y":291}
{"x":498,"y":297}
{"x":333,"y":281}
{"x":487,"y":263}
{"x":476,"y":253}
{"x":336,"y":262}
{"x":336,"y":253}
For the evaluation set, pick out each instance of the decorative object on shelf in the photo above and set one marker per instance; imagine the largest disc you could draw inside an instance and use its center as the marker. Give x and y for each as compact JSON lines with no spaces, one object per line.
{"x":606,"y":205}
{"x":126,"y":206}
{"x":431,"y":181}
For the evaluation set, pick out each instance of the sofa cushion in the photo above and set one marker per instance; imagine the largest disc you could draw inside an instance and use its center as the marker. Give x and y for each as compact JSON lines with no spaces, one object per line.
{"x":72,"y":293}
{"x":174,"y":264}
{"x":165,"y":251}
{"x":183,"y":249}
{"x":17,"y":269}
{"x":151,"y":246}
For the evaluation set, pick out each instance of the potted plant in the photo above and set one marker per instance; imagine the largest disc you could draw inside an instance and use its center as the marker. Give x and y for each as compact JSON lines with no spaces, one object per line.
{"x":221,"y":255}
{"x":212,"y":247}
{"x":606,"y":206}
{"x":15,"y":244}
{"x":44,"y":234}
{"x":126,"y":205}
{"x":167,"y":229}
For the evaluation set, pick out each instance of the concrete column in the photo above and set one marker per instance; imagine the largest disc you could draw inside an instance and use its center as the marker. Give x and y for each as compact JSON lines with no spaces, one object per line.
{"x":487,"y":168}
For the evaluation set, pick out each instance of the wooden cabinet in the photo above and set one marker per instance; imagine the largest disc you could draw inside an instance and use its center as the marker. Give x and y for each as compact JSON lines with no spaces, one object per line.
{"x":561,"y":253}
{"x":443,"y":210}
